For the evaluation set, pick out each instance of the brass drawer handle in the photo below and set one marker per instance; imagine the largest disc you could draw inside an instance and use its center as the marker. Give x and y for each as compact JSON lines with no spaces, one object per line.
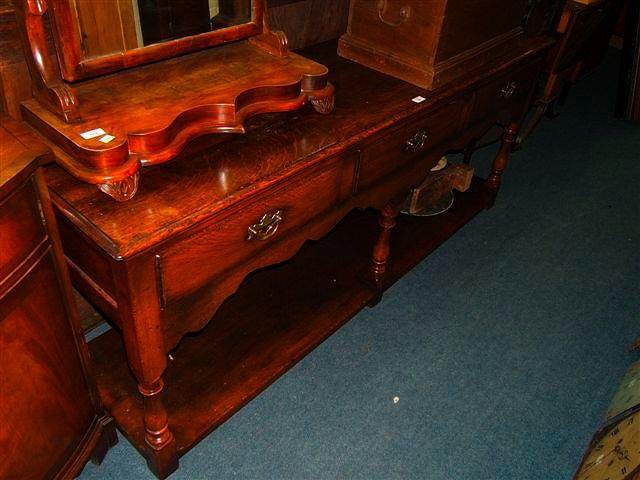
{"x":416,"y":143}
{"x":403,"y":14}
{"x":508,"y":90}
{"x":266,"y":227}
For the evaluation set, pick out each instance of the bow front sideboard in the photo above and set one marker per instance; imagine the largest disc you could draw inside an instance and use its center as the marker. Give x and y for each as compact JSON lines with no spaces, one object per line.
{"x":192,"y":343}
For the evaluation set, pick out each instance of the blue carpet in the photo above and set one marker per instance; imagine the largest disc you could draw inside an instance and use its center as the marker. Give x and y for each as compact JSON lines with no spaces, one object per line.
{"x":503,"y":348}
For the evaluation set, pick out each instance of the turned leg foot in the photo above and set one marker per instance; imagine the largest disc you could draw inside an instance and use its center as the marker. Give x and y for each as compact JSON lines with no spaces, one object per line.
{"x":122,"y":190}
{"x":324,"y":100}
{"x":163,"y":456}
{"x":381,"y":250}
{"x":500,"y":163}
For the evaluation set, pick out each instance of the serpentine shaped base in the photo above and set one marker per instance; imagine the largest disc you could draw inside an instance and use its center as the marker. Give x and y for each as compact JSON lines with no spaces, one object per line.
{"x":116,"y":137}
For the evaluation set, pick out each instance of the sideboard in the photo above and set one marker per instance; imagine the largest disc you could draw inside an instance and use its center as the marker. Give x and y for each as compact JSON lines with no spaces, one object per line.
{"x":162,"y":266}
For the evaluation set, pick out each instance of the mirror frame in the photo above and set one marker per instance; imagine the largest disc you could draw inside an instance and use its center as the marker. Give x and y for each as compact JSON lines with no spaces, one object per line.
{"x":75,"y":66}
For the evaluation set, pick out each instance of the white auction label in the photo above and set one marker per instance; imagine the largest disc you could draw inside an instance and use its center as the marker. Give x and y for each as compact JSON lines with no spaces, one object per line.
{"x":106,"y":138}
{"x":418,"y":99}
{"x":96,"y":132}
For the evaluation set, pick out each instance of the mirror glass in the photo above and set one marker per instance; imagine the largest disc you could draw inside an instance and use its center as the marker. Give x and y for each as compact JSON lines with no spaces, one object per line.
{"x":162,"y":20}
{"x":112,"y":26}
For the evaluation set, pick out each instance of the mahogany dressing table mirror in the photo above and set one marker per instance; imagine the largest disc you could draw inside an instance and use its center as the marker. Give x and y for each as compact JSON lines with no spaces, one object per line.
{"x":124,"y":84}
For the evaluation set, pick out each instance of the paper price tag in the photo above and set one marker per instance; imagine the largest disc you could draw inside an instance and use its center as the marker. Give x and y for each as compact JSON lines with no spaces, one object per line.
{"x":418,"y":99}
{"x":106,"y":138}
{"x":96,"y":132}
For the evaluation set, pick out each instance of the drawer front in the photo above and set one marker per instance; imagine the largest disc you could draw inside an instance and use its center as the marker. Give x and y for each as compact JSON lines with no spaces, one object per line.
{"x":192,"y":262}
{"x":22,"y":227}
{"x":413,"y":139}
{"x":506,"y":99}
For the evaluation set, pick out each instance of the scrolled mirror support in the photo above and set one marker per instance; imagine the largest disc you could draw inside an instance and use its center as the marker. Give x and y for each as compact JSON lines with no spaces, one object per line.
{"x":49,"y":87}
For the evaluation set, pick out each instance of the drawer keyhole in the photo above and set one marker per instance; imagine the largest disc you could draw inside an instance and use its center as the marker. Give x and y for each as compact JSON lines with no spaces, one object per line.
{"x":266,"y":227}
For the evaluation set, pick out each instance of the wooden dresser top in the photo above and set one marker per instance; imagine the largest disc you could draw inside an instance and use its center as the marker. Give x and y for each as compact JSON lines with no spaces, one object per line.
{"x":216,"y":172}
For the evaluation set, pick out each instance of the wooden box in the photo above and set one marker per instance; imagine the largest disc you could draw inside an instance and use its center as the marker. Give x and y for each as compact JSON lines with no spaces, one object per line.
{"x":430,"y":42}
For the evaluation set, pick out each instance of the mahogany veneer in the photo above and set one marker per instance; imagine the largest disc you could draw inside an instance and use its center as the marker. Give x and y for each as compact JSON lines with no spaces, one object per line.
{"x":51,"y":419}
{"x":146,"y":115}
{"x":153,"y":111}
{"x":163,"y":265}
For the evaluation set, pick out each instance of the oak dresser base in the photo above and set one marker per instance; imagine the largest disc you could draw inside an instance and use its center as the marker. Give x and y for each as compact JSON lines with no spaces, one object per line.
{"x":242,"y":351}
{"x":177,"y":260}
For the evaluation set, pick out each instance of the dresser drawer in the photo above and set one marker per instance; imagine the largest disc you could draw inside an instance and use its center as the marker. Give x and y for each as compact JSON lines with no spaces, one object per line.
{"x":21,"y":220}
{"x":254,"y":228}
{"x":414,"y":138}
{"x":506,"y":99}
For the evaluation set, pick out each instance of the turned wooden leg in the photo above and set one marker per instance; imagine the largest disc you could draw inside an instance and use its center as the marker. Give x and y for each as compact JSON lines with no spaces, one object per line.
{"x":163,"y":459}
{"x":381,"y":249}
{"x":324,"y":100}
{"x":139,"y":306}
{"x":500,"y":163}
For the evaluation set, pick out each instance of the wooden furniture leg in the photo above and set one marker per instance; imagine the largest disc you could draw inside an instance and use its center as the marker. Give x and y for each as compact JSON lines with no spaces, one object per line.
{"x":500,"y":163}
{"x":564,"y":94}
{"x":139,"y":303}
{"x":109,"y":439}
{"x":542,"y":107}
{"x":381,"y":249}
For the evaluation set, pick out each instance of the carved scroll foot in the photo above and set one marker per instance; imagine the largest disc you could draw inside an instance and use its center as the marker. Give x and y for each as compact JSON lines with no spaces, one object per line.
{"x":324,"y":101}
{"x":122,"y":190}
